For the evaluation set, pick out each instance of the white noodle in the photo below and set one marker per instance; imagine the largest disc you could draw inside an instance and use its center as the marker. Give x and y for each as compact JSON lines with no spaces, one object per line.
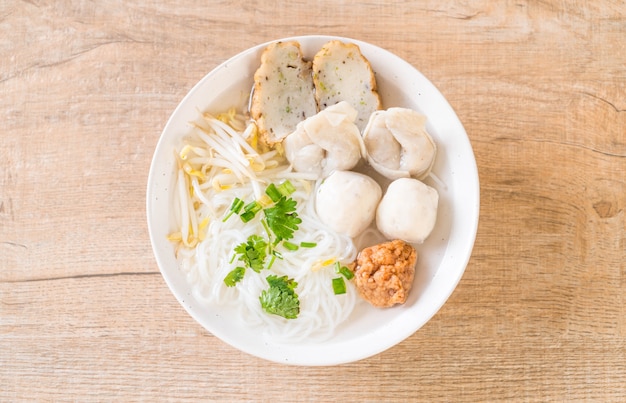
{"x":206,"y":266}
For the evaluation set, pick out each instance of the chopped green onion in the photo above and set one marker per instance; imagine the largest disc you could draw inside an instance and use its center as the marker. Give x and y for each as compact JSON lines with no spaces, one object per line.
{"x":237,"y":205}
{"x":277,"y":254}
{"x":286,"y":188}
{"x":308,"y":244}
{"x":290,"y":246}
{"x":253,"y":206}
{"x":339,"y":286}
{"x":343,"y":270}
{"x":247,"y":216}
{"x":271,"y":262}
{"x":250,"y":210}
{"x":273,"y":192}
{"x":235,"y":208}
{"x":347,"y":273}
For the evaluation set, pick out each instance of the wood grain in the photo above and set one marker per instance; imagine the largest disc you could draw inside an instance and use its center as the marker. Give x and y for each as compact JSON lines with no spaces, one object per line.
{"x":87,"y":87}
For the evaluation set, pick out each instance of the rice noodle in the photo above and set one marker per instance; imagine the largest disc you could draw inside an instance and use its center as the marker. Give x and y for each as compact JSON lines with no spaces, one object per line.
{"x":228,"y":167}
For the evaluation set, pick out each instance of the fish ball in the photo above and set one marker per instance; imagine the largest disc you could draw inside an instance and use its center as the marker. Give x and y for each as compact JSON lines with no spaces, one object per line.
{"x":407,"y":211}
{"x":346,"y":201}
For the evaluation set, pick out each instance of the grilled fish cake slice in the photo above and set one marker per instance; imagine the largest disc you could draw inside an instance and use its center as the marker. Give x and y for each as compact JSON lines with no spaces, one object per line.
{"x":342,"y":73}
{"x":283,"y":91}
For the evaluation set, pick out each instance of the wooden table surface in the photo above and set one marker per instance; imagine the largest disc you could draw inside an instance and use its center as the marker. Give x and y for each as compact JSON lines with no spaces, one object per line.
{"x":87,"y":87}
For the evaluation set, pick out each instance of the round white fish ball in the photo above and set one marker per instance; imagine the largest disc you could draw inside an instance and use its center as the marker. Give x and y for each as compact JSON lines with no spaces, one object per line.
{"x":407,"y":211}
{"x":346,"y":202}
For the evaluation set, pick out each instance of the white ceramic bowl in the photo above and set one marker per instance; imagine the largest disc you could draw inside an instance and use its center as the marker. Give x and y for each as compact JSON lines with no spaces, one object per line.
{"x":443,"y":257}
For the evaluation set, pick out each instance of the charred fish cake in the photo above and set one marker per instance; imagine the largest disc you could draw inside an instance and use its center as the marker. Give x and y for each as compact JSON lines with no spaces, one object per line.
{"x":384,"y":273}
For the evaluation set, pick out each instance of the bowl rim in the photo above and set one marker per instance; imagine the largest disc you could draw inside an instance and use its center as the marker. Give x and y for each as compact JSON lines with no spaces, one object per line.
{"x":331,"y":354}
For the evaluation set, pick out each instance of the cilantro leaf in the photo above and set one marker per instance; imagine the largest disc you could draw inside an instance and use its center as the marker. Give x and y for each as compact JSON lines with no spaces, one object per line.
{"x":235,"y":276}
{"x":280,"y":298}
{"x":253,"y":252}
{"x":282,"y":218}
